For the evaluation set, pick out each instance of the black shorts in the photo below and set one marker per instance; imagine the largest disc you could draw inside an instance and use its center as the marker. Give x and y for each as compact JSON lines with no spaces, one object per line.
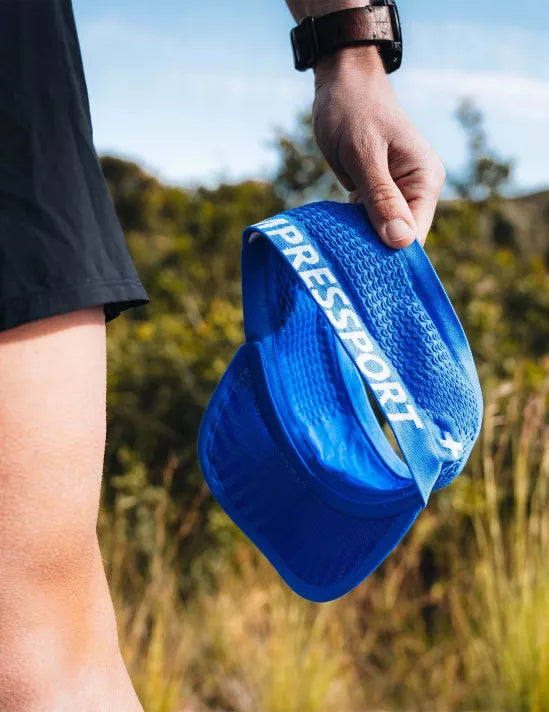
{"x":61,"y":245}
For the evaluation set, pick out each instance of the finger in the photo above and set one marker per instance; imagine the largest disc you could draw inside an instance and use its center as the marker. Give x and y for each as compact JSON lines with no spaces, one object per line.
{"x":422,"y":190}
{"x":423,"y":209}
{"x":386,"y":206}
{"x":354,"y":196}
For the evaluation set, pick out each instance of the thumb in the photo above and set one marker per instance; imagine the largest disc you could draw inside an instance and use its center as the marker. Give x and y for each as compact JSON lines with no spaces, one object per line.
{"x":386,"y":206}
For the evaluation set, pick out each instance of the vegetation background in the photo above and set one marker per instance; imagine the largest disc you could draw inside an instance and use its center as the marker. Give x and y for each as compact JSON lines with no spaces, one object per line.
{"x":457,"y":618}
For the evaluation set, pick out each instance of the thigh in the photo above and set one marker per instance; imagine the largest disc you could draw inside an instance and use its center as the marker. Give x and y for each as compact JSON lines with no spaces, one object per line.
{"x":58,"y":638}
{"x":52,"y":436}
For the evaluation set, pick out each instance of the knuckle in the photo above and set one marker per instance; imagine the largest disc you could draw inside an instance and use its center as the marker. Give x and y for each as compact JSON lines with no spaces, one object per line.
{"x":380,"y":194}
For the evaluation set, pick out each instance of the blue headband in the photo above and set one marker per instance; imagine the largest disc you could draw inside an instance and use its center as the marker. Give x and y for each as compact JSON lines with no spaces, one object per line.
{"x":290,"y":445}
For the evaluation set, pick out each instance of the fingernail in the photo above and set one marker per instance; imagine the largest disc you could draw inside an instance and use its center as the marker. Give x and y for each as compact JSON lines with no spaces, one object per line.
{"x":398,"y":230}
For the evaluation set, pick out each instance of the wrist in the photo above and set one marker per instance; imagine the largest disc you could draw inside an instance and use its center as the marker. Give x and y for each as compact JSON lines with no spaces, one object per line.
{"x":362,"y":58}
{"x":306,"y":8}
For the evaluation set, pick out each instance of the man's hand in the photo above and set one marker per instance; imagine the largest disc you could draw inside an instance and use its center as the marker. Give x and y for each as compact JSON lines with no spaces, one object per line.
{"x":374,"y":149}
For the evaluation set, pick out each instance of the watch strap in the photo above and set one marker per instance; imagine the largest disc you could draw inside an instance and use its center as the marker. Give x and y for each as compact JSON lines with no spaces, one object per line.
{"x":317,"y":36}
{"x":357,"y":25}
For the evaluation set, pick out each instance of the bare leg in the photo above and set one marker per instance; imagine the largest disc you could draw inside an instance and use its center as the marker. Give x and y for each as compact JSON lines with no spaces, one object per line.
{"x":58,"y":641}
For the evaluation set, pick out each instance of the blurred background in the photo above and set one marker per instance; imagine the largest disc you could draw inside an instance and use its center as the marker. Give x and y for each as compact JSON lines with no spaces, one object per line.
{"x":203,"y":127}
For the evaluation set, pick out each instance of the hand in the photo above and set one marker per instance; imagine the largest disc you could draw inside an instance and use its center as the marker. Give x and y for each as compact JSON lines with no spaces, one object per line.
{"x":374,"y":149}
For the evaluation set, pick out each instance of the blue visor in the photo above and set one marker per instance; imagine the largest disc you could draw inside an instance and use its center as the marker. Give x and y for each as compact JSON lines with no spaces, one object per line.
{"x":290,"y":444}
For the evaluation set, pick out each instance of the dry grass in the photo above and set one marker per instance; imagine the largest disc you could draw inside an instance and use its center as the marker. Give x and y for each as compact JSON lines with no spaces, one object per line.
{"x":505,"y":620}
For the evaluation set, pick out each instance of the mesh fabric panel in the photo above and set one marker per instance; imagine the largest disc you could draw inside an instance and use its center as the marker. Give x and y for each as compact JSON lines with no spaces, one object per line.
{"x":378,"y":284}
{"x":306,"y":344}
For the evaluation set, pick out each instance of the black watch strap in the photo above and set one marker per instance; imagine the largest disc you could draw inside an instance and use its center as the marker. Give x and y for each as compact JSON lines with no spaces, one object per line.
{"x":375,"y":24}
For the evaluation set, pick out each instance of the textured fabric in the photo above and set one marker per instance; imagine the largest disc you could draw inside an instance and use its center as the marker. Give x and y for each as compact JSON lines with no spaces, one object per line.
{"x":290,"y":444}
{"x":270,"y":490}
{"x":377,"y":278}
{"x":61,"y":246}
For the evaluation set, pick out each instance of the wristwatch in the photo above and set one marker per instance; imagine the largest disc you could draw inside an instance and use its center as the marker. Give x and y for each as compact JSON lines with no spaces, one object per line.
{"x":377,"y":23}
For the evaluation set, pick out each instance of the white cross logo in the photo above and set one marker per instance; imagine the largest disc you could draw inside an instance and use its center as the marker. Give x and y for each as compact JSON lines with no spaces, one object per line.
{"x":452,"y":445}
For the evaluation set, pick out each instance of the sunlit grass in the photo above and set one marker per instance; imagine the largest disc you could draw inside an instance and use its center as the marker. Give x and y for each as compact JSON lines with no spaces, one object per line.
{"x":505,"y":619}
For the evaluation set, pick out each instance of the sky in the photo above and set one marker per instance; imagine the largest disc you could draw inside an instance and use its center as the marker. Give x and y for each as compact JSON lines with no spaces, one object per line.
{"x":195,"y":91}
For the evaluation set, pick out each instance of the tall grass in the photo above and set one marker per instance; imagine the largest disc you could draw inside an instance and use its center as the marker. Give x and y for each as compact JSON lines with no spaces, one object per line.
{"x":475,"y":638}
{"x":505,"y":619}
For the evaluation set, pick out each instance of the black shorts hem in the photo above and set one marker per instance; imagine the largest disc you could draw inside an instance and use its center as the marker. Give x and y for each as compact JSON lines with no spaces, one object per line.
{"x":115,"y":295}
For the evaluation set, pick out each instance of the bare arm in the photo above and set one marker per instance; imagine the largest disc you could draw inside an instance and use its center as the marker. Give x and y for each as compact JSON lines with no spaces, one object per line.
{"x":374,"y":149}
{"x":303,"y":8}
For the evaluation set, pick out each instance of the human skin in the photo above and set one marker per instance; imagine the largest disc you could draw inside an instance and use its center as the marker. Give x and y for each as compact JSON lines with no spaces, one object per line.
{"x":375,"y":150}
{"x":58,"y":640}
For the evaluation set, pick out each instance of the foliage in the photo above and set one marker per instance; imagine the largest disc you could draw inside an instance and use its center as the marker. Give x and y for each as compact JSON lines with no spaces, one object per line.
{"x":303,"y":174}
{"x":486,"y":174}
{"x":499,"y":293}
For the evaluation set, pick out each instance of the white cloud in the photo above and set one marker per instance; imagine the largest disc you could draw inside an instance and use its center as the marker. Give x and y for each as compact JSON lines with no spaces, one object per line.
{"x":516,"y":96}
{"x":478,"y":47}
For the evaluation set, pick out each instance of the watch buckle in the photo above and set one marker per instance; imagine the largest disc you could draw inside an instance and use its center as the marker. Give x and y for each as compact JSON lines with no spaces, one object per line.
{"x":304,"y":44}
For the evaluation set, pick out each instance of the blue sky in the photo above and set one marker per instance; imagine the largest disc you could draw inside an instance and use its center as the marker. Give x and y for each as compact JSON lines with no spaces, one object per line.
{"x":195,"y":91}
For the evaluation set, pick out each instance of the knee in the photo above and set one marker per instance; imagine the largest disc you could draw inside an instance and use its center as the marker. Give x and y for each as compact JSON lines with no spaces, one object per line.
{"x":48,"y":509}
{"x":56,"y":620}
{"x":48,"y":540}
{"x":55,"y":616}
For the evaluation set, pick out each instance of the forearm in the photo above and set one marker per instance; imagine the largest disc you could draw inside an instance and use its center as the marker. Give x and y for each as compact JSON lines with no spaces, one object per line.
{"x":303,"y":8}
